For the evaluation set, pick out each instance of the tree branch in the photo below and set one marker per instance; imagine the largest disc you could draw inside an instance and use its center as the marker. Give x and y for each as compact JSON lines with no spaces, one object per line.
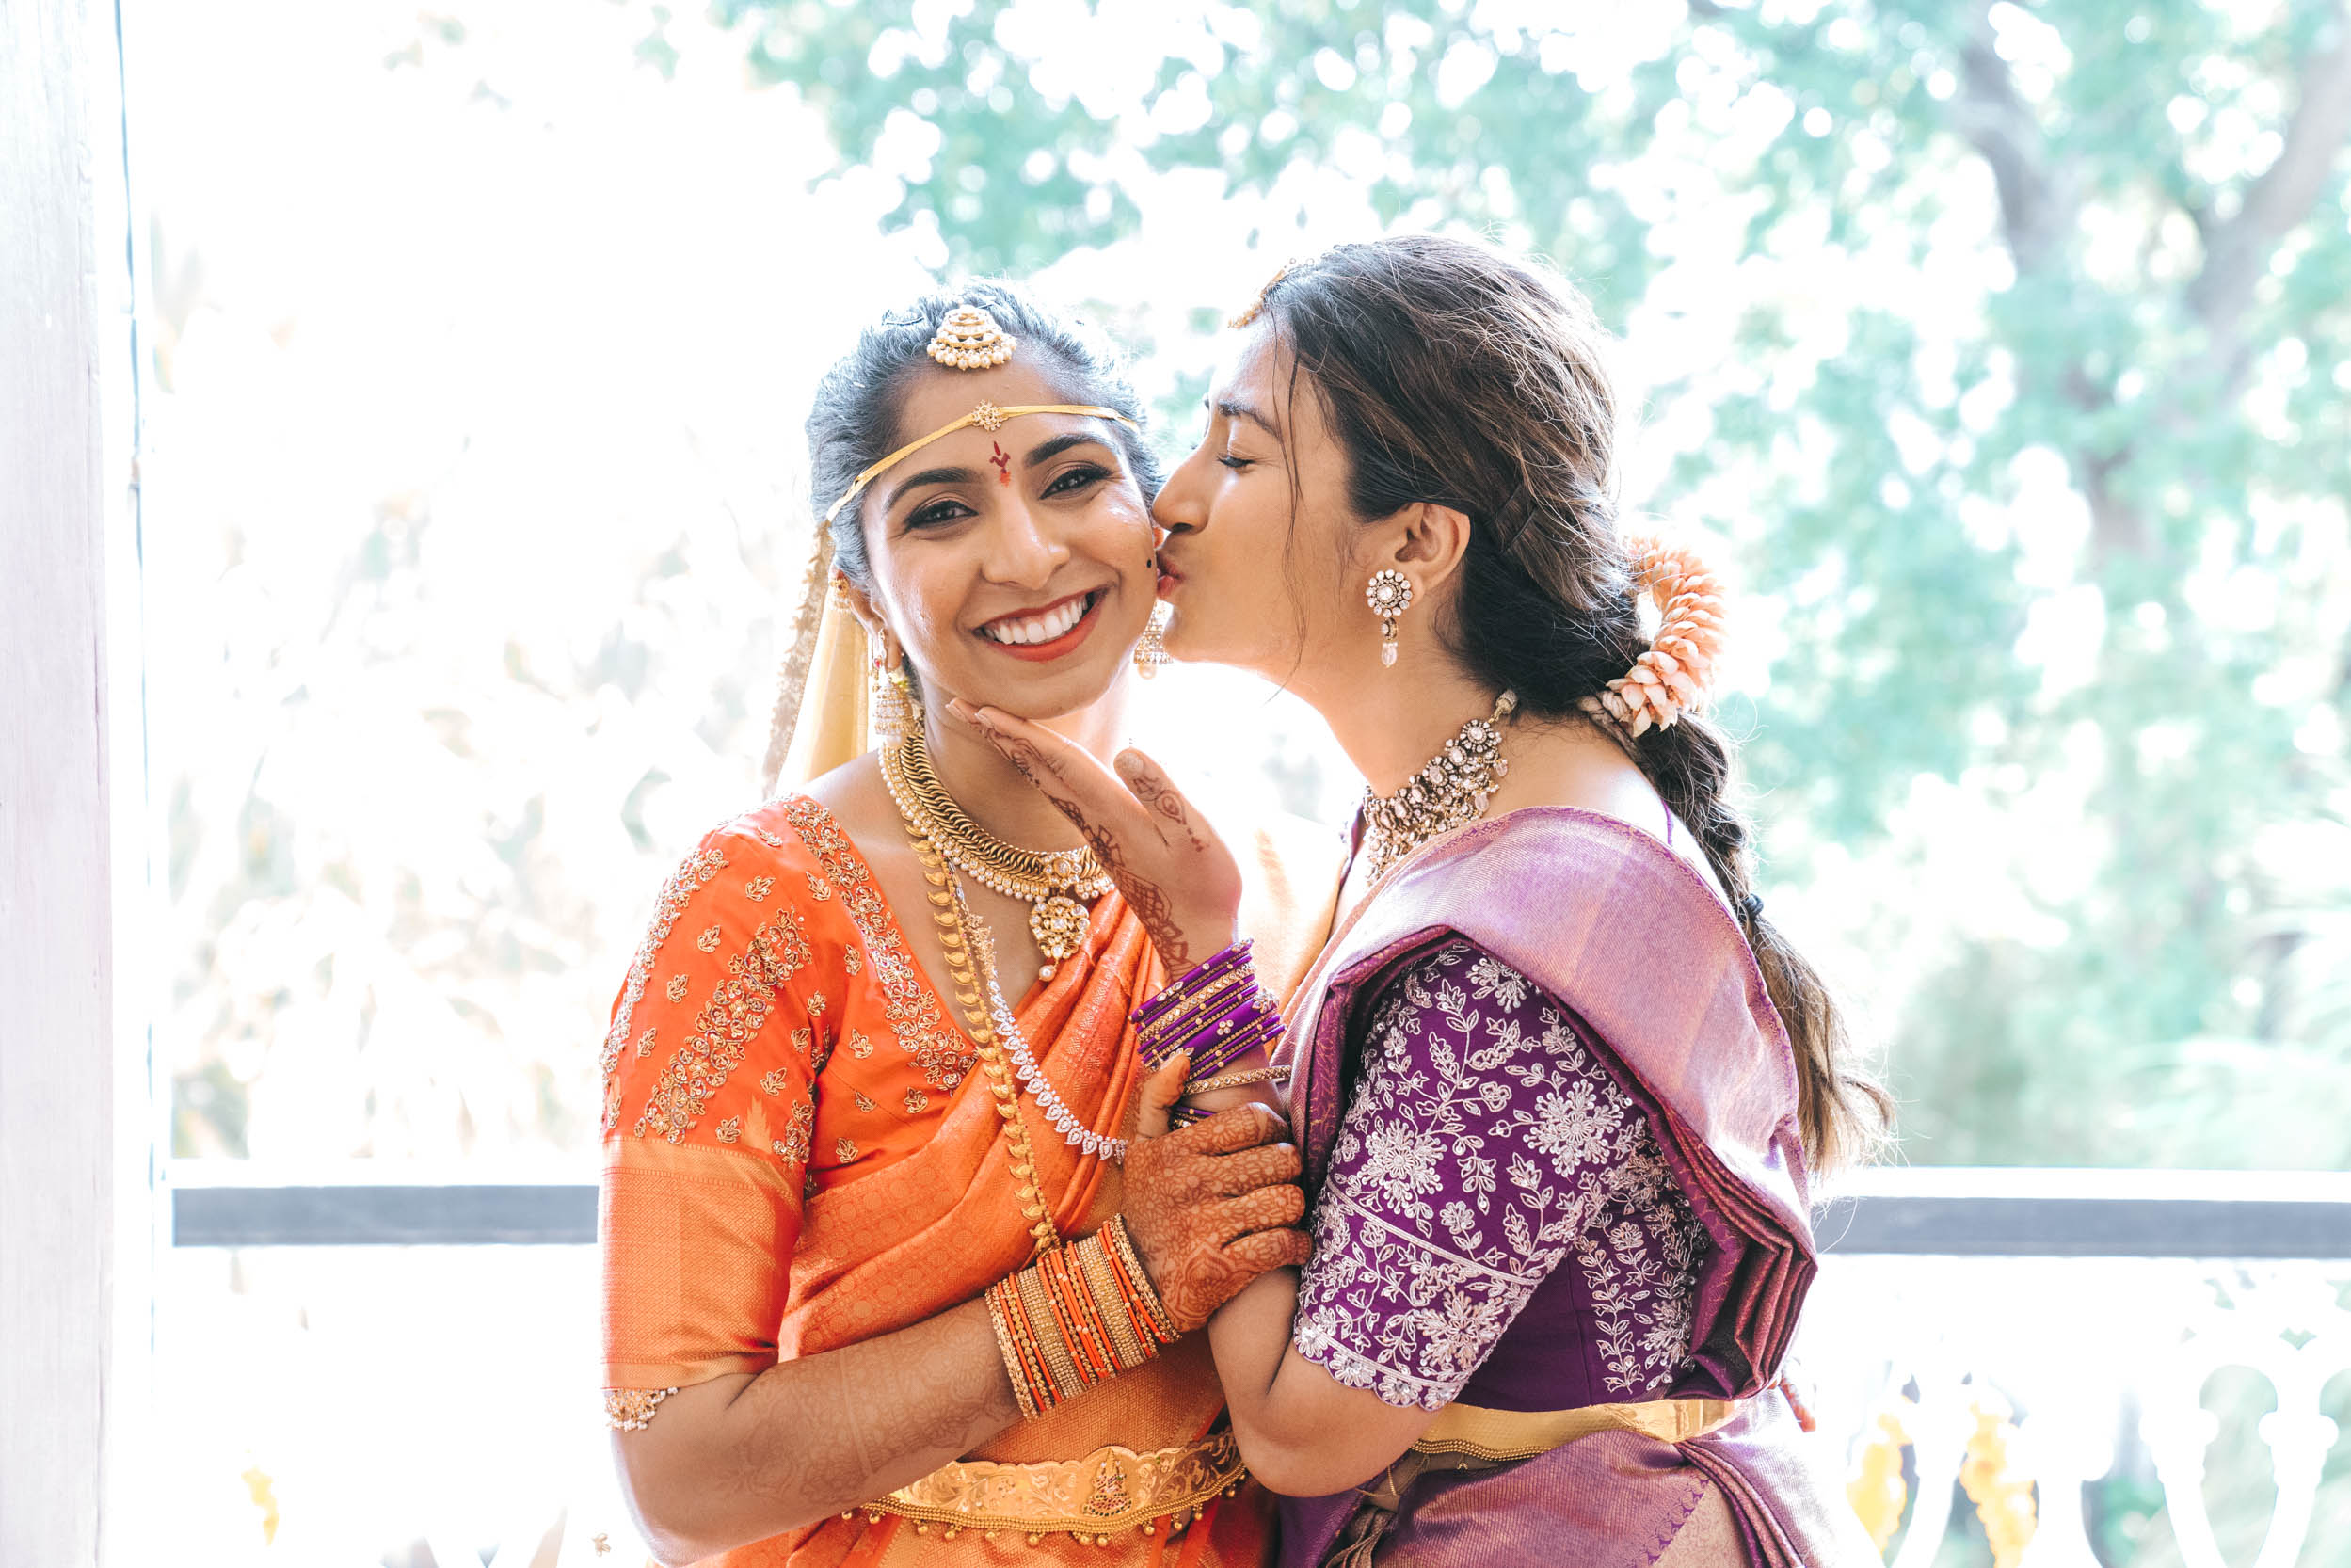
{"x":2035,"y":213}
{"x":2237,"y":252}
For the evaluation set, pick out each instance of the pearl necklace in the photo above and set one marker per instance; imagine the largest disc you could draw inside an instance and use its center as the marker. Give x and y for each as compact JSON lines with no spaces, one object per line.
{"x":1451,"y":791}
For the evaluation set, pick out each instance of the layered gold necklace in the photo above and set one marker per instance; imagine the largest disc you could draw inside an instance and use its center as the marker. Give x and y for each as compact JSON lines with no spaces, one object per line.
{"x":968,"y":967}
{"x":1452,"y":792}
{"x":1056,"y":884}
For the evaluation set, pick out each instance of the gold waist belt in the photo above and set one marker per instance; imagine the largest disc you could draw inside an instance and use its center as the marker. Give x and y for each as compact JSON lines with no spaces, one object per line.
{"x":1110,"y":1489}
{"x":1499,"y":1435}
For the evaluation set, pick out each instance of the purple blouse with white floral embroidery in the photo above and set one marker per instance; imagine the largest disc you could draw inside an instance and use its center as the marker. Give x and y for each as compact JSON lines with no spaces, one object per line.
{"x":1498,"y":1224}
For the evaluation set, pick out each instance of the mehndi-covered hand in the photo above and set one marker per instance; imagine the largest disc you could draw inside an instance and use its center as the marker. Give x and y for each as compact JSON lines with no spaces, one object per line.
{"x":1175,"y":873}
{"x":1212,"y":1208}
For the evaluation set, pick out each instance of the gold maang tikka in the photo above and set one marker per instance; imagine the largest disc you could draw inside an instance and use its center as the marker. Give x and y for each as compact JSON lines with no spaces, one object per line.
{"x":969,"y":339}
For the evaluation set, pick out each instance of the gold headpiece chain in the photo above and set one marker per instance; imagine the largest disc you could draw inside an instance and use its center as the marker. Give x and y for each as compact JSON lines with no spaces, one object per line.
{"x":987,"y":416}
{"x":969,"y":339}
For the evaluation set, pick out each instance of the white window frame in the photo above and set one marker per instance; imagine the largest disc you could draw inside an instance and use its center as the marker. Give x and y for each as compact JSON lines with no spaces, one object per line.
{"x":79,"y":1197}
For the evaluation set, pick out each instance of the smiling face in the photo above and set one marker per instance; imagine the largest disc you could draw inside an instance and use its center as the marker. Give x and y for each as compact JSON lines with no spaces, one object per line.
{"x":1011,"y":567}
{"x":1261,"y":561}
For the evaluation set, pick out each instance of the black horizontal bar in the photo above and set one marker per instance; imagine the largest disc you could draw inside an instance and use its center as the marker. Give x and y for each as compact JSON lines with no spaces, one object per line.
{"x":368,"y":1215}
{"x":1878,"y":1224}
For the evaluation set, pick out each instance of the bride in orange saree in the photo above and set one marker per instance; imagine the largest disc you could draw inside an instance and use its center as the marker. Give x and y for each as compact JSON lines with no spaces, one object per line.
{"x":877,"y":1287}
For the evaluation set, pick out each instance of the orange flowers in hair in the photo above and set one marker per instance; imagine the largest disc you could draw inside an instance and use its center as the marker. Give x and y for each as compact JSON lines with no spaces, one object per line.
{"x":1673,"y":677}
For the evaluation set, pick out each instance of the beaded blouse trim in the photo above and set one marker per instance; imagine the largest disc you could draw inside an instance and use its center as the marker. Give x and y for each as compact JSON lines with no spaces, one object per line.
{"x":631,"y":1409}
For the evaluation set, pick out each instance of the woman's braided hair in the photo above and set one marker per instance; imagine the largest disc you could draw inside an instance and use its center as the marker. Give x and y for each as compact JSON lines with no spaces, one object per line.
{"x":1454,"y":375}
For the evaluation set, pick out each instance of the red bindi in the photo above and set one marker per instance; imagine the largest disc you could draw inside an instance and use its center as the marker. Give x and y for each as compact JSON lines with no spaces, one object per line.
{"x":1004,"y":465}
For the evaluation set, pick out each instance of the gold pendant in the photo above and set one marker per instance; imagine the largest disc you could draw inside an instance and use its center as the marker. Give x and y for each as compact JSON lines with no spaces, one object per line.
{"x":1059,"y":924}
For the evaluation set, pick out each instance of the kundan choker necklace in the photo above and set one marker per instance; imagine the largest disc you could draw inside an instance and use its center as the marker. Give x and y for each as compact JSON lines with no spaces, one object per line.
{"x":1056,"y":884}
{"x":1452,"y":792}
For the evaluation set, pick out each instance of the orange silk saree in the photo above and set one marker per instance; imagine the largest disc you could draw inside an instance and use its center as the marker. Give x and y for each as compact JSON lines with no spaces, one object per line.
{"x":798,"y":1155}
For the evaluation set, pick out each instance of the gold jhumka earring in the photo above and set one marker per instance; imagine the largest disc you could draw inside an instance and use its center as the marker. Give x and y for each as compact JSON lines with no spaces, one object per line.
{"x":1151,"y":652}
{"x":1389,"y":593}
{"x":893,"y":715}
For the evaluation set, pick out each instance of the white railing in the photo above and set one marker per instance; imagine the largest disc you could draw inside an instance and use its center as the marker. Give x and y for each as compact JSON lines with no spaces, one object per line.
{"x":395,"y":1371}
{"x":2093,"y":1357}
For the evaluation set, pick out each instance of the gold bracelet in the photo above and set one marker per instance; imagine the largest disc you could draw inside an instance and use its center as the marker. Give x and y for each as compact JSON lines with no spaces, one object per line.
{"x":1187,"y":1014}
{"x":1036,"y":1301}
{"x":1111,"y":1304}
{"x":1237,"y":1081}
{"x":1175,"y":1018}
{"x":1013,"y":1363}
{"x":1130,"y":1264}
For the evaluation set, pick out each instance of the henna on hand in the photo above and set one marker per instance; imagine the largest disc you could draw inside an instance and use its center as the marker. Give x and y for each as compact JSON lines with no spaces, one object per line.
{"x":1268,"y":1250}
{"x":1251,"y":1169}
{"x":1149,"y":902}
{"x":1243,"y":1127}
{"x":1147,"y":899}
{"x":1202,"y":1227}
{"x":1267,"y":1209}
{"x":1156,"y":791}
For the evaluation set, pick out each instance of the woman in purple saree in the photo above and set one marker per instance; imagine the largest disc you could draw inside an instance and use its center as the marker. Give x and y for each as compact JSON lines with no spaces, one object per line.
{"x":1559,"y":1088}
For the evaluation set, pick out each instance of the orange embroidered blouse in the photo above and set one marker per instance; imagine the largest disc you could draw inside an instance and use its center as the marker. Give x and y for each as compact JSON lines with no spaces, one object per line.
{"x":772,"y":959}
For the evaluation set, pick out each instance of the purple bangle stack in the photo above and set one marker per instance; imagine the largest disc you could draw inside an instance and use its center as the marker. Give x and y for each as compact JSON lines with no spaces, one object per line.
{"x":1216,"y":1013}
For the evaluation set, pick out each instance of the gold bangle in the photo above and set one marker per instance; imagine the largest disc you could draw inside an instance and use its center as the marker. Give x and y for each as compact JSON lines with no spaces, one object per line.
{"x":1026,"y":1343}
{"x":1132,"y":1266}
{"x":1036,"y":1301}
{"x":1013,"y":1365}
{"x":1223,"y":988}
{"x":1199,"y":998}
{"x":1208,"y":1029}
{"x":1111,"y":1304}
{"x":1237,"y":1081}
{"x":1090,"y":1348}
{"x":1173,"y":1020}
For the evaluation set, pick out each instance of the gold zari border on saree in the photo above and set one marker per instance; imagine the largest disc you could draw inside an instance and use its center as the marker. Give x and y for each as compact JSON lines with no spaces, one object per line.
{"x":1505,"y":1434}
{"x":1111,"y":1489}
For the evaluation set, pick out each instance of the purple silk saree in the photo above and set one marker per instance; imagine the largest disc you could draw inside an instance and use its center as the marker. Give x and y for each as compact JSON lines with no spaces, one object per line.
{"x":1653,"y":972}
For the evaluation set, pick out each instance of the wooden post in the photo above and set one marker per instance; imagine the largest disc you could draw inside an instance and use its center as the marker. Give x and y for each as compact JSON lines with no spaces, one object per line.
{"x":75,"y":1158}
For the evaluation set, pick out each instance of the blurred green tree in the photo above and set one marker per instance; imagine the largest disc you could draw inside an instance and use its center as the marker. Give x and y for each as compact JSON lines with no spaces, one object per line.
{"x":2164,"y":318}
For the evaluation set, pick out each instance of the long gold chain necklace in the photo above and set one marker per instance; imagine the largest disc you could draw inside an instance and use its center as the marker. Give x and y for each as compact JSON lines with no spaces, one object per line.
{"x":1452,"y":792}
{"x":963,"y":969}
{"x":1056,"y":884}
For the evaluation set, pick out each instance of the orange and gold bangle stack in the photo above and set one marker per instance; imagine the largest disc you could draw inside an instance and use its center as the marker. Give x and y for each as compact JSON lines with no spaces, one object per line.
{"x":1080,"y":1315}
